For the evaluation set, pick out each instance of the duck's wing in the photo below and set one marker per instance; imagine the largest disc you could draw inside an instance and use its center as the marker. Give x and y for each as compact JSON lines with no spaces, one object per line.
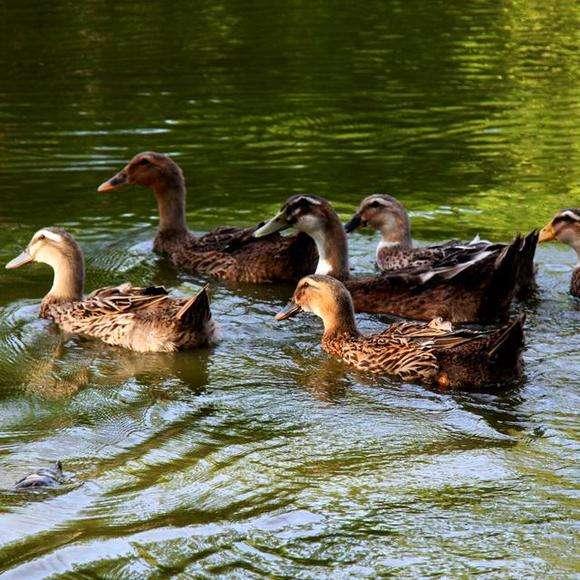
{"x":230,"y":240}
{"x":440,"y":335}
{"x":115,"y":300}
{"x":425,"y":258}
{"x":149,"y":303}
{"x":142,"y":319}
{"x":437,"y":333}
{"x":394,"y":355}
{"x":225,"y":239}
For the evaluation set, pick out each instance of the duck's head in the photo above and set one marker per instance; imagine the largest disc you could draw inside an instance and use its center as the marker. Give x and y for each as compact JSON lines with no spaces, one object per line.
{"x":384,"y":213}
{"x":564,"y":227}
{"x":314,"y":216}
{"x":149,"y":169}
{"x":306,"y":213}
{"x":325,"y":297}
{"x":51,"y":246}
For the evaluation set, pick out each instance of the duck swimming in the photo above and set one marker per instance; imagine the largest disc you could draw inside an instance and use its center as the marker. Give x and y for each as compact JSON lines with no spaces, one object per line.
{"x":387,"y":215}
{"x":477,"y":290}
{"x":45,"y":477}
{"x":565,"y":227}
{"x":140,"y":319}
{"x":433,"y":354}
{"x":228,"y":253}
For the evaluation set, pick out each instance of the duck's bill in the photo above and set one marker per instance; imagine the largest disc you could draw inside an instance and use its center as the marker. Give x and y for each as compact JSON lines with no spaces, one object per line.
{"x":116,"y":181}
{"x":547,"y":233}
{"x":292,"y":309}
{"x":353,"y":224}
{"x":276,"y":224}
{"x":23,"y":258}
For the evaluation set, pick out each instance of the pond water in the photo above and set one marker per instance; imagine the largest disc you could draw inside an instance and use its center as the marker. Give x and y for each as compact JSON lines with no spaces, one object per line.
{"x":262,"y":456}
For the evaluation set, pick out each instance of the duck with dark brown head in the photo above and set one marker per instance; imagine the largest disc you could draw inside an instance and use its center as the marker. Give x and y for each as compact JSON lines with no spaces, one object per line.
{"x":228,"y":253}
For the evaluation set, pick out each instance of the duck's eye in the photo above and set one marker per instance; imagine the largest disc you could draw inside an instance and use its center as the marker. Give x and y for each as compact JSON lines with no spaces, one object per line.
{"x":42,"y":237}
{"x":375,"y":204}
{"x":144,"y":162}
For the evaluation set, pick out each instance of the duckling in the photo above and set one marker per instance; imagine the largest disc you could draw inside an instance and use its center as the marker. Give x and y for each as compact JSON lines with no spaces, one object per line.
{"x":565,"y":227}
{"x":140,"y":319}
{"x":476,"y":290}
{"x":228,"y":253}
{"x":387,"y":215}
{"x":432,"y":354}
{"x":46,"y":477}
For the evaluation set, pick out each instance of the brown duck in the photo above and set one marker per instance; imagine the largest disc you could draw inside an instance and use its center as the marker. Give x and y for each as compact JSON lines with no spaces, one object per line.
{"x":228,"y":253}
{"x":141,"y":319}
{"x":565,"y":227}
{"x":432,"y":354}
{"x":477,"y":290}
{"x":395,"y":251}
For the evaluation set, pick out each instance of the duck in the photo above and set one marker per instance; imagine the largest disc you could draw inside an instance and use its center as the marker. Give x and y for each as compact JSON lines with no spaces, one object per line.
{"x":228,"y":253}
{"x":477,"y":290}
{"x":565,"y":227}
{"x":388,"y":215}
{"x":434,"y":353}
{"x":44,"y":477}
{"x":139,"y":319}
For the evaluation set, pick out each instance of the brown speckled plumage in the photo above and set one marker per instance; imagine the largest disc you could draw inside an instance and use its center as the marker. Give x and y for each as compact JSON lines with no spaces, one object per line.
{"x":478,"y":290}
{"x":140,"y":319}
{"x":433,"y":354}
{"x":575,"y":283}
{"x":565,"y":227}
{"x":395,"y":252}
{"x":227,"y":253}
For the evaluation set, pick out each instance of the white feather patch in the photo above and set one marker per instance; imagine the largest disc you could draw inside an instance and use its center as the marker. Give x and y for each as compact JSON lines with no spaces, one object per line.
{"x":378,"y":199}
{"x":448,"y":273}
{"x":324,"y":267}
{"x":310,"y":199}
{"x":569,"y":213}
{"x":50,"y":235}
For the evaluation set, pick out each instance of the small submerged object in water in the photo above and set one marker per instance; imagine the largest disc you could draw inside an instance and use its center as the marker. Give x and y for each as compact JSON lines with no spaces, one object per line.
{"x":47,"y":477}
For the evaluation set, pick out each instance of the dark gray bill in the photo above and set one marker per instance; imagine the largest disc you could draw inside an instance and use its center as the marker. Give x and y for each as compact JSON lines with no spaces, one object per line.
{"x":115,"y":181}
{"x":276,"y":224}
{"x":292,"y":309}
{"x":353,"y":224}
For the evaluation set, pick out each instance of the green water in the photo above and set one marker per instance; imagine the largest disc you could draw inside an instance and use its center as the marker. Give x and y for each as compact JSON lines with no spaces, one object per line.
{"x":262,"y":457}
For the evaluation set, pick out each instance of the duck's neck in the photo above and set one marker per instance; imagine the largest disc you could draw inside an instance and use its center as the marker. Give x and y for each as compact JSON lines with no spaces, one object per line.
{"x":576,"y":247}
{"x":69,"y":278}
{"x":339,"y":321}
{"x":332,"y":249}
{"x":171,"y":205}
{"x":395,"y":233}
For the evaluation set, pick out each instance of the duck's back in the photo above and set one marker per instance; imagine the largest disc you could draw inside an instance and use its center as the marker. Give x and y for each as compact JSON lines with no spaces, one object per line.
{"x":140,"y":319}
{"x":387,"y":354}
{"x":234,"y":254}
{"x":448,"y":254}
{"x":455,"y":253}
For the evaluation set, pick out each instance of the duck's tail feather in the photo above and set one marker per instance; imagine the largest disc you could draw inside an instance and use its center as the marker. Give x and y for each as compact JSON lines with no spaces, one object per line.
{"x":526,"y":282}
{"x":501,"y":287}
{"x":505,"y":346}
{"x":195,"y":313}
